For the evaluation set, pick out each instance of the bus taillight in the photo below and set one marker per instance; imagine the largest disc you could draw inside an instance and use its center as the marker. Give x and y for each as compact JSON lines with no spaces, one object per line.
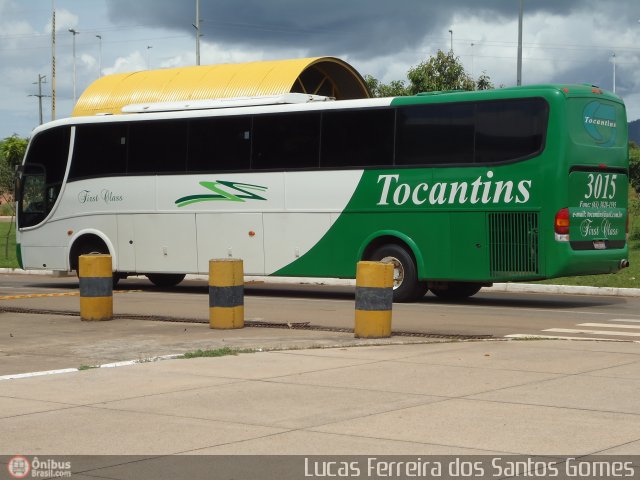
{"x":561,"y":225}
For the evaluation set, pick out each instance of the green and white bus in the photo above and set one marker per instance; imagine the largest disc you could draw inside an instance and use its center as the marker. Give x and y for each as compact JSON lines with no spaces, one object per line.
{"x":458,"y":190}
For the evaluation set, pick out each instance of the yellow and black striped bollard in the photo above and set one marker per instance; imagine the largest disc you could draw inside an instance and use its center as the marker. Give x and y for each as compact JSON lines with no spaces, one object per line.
{"x":96,"y":287}
{"x":374,"y":299}
{"x":226,"y":293}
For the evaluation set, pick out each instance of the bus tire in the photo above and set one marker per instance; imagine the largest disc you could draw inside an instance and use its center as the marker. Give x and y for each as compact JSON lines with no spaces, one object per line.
{"x":406,"y":287}
{"x":456,"y":290}
{"x":165,"y":280}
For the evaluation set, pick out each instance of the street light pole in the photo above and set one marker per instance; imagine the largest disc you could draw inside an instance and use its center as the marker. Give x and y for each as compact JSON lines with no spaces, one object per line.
{"x":613,"y":56}
{"x":149,"y":47}
{"x":74,"y":32}
{"x":197,"y":27}
{"x":519,"y":68}
{"x":451,"y":45}
{"x":99,"y":37}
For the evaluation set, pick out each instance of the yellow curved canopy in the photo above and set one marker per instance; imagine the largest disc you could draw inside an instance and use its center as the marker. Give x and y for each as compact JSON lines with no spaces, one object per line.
{"x":326,"y":76}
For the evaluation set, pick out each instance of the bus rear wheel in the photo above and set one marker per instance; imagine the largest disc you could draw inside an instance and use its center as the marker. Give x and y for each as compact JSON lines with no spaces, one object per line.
{"x":406,"y":287}
{"x":165,"y":279}
{"x":456,"y":290}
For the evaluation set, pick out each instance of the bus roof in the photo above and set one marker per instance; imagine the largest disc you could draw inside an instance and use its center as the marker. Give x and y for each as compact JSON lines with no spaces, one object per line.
{"x":304,"y":102}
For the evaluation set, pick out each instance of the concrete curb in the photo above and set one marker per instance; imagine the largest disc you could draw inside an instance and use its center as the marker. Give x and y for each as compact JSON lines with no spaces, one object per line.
{"x":563,"y":289}
{"x":342,"y":282}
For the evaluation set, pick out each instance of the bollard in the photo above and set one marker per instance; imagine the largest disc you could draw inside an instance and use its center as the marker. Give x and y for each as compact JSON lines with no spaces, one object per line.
{"x":374,"y":299}
{"x":226,"y":293}
{"x":96,"y":287}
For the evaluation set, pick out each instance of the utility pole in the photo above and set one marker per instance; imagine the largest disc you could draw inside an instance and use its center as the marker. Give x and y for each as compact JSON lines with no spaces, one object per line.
{"x":41,"y":80}
{"x":99,"y":37}
{"x":472,"y":73}
{"x":53,"y":60}
{"x":74,"y":32}
{"x":613,"y":56}
{"x":519,"y":73}
{"x":451,"y":47}
{"x":197,"y":27}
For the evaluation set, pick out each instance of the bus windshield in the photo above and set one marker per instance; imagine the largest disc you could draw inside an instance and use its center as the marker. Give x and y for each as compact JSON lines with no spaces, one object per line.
{"x":40,"y":179}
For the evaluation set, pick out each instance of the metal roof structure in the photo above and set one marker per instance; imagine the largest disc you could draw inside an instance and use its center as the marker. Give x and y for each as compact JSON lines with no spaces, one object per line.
{"x":326,"y":76}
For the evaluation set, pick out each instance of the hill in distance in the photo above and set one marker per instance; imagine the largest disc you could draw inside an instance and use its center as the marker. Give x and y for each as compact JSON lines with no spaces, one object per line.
{"x":634,"y":131}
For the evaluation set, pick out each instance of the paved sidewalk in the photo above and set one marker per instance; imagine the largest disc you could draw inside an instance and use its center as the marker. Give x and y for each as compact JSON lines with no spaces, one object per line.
{"x":297,"y":393}
{"x":482,"y":397}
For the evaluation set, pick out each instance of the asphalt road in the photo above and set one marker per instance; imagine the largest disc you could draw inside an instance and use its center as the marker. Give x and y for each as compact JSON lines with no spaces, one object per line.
{"x":494,"y":314}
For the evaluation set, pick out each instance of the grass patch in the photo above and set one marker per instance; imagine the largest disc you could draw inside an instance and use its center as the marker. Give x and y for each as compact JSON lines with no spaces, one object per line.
{"x":8,"y":252}
{"x":87,"y":367}
{"x":627,"y":278}
{"x":6,"y":210}
{"x":218,"y":352}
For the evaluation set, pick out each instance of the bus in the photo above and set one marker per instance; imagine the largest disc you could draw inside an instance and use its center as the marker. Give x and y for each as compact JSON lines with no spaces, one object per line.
{"x":457,"y":190}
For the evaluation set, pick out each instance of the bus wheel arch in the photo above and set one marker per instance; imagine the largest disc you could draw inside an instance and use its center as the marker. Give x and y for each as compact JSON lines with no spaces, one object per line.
{"x":391,"y":249}
{"x":84,"y":244}
{"x":88,"y":243}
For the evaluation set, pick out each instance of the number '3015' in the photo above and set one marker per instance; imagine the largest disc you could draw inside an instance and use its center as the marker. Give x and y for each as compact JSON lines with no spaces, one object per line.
{"x":601,"y":186}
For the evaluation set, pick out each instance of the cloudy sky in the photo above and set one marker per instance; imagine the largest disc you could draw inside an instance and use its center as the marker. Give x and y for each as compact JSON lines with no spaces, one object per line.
{"x":566,"y":41}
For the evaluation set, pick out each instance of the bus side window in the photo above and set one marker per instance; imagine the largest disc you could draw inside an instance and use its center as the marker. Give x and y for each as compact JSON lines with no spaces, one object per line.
{"x":219,"y":144}
{"x":99,"y":150}
{"x":357,"y":138}
{"x":509,"y":129}
{"x":435,"y":134}
{"x":158,"y":146}
{"x":286,"y":141}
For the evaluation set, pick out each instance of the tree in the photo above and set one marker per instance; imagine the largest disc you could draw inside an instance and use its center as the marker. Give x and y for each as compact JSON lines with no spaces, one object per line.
{"x":12,"y":150}
{"x":396,"y":88}
{"x":484,"y":82}
{"x":441,"y":72}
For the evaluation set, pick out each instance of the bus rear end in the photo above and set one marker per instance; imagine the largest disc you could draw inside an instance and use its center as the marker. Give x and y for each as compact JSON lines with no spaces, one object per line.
{"x":590,"y":224}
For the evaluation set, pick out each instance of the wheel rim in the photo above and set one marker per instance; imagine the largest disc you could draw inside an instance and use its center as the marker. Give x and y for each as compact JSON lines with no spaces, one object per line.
{"x":398,"y":270}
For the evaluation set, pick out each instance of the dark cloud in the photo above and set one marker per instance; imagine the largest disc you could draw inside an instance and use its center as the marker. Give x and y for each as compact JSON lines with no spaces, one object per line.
{"x":355,"y":27}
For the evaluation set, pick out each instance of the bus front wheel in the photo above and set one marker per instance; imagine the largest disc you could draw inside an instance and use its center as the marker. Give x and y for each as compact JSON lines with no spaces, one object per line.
{"x":90,"y":246}
{"x":165,"y":279}
{"x":406,"y":287}
{"x":456,"y":290}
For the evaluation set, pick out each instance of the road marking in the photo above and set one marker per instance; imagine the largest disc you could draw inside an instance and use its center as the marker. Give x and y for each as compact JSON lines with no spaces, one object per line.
{"x":125,"y":363}
{"x":606,"y":325}
{"x":558,"y":337}
{"x":623,"y":320}
{"x":39,"y":295}
{"x":65,"y":294}
{"x":592,"y":332}
{"x":37,"y":374}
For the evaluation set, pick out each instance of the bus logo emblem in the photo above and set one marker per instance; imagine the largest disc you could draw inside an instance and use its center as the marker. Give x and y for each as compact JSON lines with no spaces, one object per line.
{"x":224,"y":191}
{"x":600,"y":123}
